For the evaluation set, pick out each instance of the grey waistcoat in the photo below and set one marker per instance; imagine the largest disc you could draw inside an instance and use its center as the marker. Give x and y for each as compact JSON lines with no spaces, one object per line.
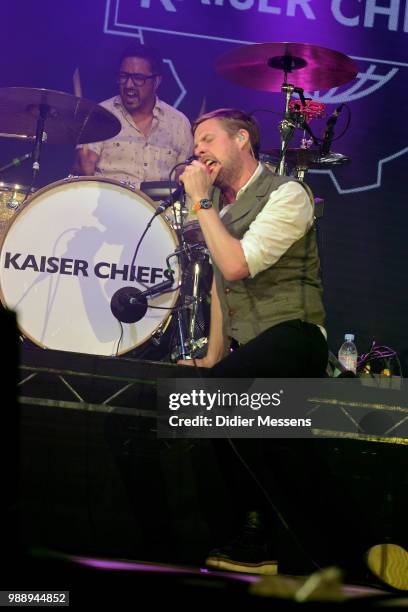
{"x":289,"y":289}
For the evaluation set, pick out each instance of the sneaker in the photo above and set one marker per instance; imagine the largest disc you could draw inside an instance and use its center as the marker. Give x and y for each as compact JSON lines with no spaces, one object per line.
{"x":247,"y":553}
{"x":389,"y":563}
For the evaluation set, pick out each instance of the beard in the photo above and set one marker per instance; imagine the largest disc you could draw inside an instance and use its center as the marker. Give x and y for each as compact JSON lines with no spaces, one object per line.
{"x":230,"y":172}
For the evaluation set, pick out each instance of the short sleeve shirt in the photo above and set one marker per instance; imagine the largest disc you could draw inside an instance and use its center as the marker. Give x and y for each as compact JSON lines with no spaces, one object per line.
{"x":132,"y":157}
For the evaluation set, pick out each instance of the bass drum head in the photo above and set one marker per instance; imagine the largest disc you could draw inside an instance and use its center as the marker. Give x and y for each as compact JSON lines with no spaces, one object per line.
{"x":66,"y":254}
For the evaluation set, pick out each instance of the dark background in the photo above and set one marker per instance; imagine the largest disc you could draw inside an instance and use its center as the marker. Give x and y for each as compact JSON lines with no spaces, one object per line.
{"x":363,"y":233}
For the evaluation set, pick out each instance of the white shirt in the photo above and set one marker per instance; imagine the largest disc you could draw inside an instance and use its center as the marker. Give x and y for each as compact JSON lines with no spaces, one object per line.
{"x":285,"y":218}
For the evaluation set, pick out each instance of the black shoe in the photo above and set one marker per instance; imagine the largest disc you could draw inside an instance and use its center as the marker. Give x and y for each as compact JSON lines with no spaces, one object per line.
{"x":389,"y":563}
{"x":247,"y":553}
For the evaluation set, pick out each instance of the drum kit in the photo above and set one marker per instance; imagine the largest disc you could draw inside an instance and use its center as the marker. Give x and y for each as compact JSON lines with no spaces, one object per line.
{"x":67,"y":248}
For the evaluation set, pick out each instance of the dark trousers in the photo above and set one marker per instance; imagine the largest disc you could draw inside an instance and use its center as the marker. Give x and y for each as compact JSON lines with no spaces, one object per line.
{"x":293,"y":349}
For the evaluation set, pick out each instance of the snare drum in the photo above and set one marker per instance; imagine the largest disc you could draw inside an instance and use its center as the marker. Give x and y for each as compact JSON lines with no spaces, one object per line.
{"x":11,"y":198}
{"x":69,"y":250}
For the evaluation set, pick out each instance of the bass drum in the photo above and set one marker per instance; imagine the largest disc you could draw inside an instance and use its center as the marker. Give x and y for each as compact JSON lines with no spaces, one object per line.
{"x":69,"y":250}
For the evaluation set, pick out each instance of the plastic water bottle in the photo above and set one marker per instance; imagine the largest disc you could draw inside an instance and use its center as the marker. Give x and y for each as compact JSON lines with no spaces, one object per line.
{"x":348,"y":353}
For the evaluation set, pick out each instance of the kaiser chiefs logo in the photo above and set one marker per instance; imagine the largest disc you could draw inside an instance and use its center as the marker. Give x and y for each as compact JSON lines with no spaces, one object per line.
{"x":83,"y":268}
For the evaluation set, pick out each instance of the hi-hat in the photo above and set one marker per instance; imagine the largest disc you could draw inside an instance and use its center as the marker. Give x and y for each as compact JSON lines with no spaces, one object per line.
{"x":68,"y":119}
{"x":267,"y":66}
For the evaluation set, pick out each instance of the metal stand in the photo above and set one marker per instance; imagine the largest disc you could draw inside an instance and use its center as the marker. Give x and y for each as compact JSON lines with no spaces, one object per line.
{"x":286,"y":127}
{"x":290,"y":122}
{"x":192,"y":260}
{"x":39,"y":137}
{"x":193,"y":257}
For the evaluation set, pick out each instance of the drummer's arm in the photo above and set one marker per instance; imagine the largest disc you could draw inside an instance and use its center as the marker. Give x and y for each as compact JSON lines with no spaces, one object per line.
{"x":85,"y":162}
{"x":216,"y":341}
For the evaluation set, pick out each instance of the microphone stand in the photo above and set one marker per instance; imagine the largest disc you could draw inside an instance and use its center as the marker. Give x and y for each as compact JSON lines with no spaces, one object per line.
{"x":129,"y":304}
{"x":184,"y":256}
{"x":191,"y":263}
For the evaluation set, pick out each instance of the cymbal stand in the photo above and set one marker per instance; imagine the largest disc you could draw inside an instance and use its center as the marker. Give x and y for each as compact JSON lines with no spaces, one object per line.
{"x":40,"y":136}
{"x":181,"y":254}
{"x":290,"y":122}
{"x":286,"y":128}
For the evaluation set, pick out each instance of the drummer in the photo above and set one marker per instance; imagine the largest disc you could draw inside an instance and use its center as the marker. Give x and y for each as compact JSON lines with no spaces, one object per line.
{"x":154,"y":135}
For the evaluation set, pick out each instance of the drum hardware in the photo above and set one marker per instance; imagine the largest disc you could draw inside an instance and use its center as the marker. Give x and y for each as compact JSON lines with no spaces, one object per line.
{"x":13,"y":203}
{"x":191,"y":254}
{"x":54,"y":116}
{"x":194,"y":349}
{"x":331,"y":159}
{"x":157,"y":336}
{"x":269,"y":66}
{"x":129,"y":304}
{"x":299,"y":160}
{"x":12,"y":197}
{"x":192,"y":258}
{"x":195,"y":298}
{"x":293,"y":119}
{"x":17,"y":136}
{"x":128,"y":184}
{"x":193,"y":294}
{"x":17,"y":161}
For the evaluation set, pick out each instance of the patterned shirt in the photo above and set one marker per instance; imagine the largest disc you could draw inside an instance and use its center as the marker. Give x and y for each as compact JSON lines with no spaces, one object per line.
{"x":132,"y":157}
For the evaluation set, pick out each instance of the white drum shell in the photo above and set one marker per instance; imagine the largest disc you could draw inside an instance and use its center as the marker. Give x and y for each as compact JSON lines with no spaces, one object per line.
{"x":65,"y":255}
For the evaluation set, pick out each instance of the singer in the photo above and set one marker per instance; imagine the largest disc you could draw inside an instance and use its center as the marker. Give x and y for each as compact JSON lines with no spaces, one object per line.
{"x":266,"y":293}
{"x":259,"y":228}
{"x":154,"y":136}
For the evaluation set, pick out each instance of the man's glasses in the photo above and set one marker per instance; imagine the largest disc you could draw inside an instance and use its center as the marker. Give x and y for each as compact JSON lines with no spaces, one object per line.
{"x":137,"y":79}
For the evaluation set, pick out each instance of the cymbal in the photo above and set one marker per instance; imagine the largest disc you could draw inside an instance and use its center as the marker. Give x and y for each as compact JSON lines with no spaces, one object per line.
{"x":69,"y":120}
{"x":305,"y":158}
{"x":264,"y":66}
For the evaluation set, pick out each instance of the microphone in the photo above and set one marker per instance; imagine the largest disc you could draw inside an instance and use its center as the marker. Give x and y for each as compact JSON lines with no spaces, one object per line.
{"x":188,"y":161}
{"x":329,"y":131}
{"x":130,"y":304}
{"x":17,"y":161}
{"x":178,"y":193}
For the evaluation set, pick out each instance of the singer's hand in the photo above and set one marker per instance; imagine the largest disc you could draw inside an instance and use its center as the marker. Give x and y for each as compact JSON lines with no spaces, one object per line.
{"x":198,"y":181}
